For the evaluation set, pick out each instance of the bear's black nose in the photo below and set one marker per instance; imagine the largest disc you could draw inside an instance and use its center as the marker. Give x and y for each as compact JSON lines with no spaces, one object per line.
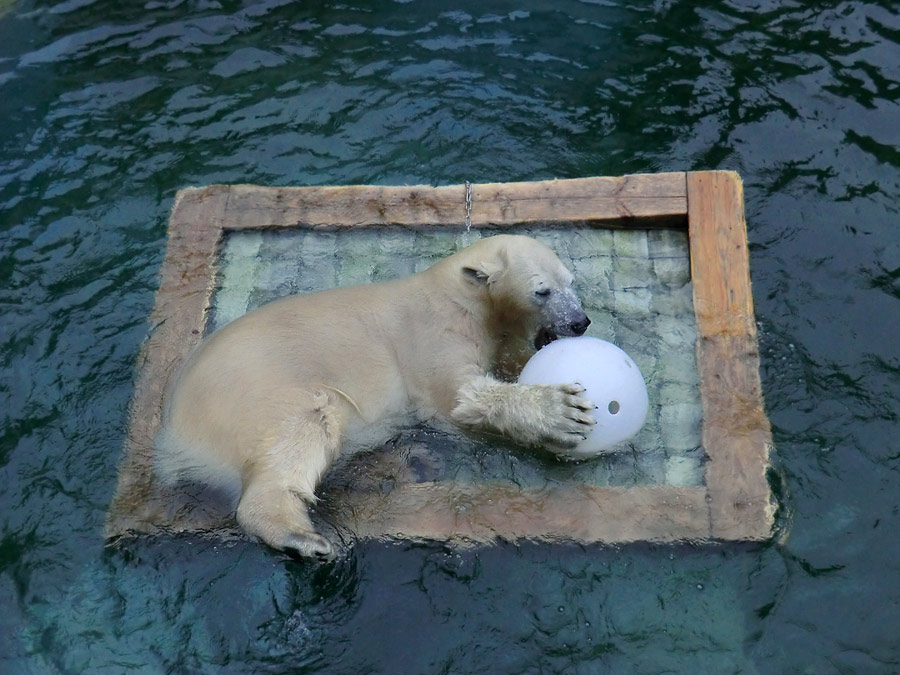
{"x":578,"y":327}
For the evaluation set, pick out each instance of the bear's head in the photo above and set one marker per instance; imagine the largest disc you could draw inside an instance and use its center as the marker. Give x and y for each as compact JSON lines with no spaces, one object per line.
{"x":527,"y":287}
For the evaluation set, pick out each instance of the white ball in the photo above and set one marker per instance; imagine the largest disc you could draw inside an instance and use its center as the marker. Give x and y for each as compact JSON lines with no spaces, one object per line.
{"x":611,"y":379}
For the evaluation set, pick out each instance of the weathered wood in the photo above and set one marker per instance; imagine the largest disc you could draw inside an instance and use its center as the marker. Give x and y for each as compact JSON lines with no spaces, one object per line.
{"x":720,"y":264}
{"x":177,"y":320}
{"x":736,"y":436}
{"x":654,"y":198}
{"x":486,"y":512}
{"x":736,"y":432}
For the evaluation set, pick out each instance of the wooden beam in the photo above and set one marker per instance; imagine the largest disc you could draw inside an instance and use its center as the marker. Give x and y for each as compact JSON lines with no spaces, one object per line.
{"x":652,"y":198}
{"x":177,"y":321}
{"x":720,"y":264}
{"x":737,"y":438}
{"x":485,"y":512}
{"x":736,"y":432}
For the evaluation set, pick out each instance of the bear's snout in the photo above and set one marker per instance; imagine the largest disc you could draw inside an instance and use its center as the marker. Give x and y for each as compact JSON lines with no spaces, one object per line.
{"x":580,"y":324}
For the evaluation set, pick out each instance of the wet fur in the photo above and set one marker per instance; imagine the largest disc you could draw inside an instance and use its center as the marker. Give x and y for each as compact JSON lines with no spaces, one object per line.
{"x":265,"y":405}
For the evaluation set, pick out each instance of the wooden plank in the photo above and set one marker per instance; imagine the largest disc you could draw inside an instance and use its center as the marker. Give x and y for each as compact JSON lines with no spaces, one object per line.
{"x":720,"y":264}
{"x":737,"y":438}
{"x":656,"y":199}
{"x":482,"y":513}
{"x":187,"y":276}
{"x":736,"y":431}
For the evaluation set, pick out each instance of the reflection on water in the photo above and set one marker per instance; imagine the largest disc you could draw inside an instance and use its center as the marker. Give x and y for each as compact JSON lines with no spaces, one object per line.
{"x":108,"y":108}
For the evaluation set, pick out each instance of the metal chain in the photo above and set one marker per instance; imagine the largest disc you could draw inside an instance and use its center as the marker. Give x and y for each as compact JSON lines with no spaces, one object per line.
{"x":468,"y":206}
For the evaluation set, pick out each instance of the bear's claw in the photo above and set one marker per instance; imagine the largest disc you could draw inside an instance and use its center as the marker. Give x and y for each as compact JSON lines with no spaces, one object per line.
{"x":574,"y":423}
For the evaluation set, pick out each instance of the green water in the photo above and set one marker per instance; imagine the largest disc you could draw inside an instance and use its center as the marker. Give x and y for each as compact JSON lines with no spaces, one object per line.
{"x":106,"y":109}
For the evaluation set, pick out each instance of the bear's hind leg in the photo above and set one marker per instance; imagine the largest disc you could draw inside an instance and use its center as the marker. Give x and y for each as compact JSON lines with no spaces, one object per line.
{"x":281,"y":480}
{"x":278,"y":516}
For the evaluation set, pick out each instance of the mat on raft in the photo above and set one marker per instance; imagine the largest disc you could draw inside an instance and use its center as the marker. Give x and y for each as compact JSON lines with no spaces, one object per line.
{"x":661,"y":266}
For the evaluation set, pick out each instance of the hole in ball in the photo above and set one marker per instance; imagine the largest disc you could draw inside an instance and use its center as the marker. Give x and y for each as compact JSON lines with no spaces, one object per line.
{"x":613,"y":407}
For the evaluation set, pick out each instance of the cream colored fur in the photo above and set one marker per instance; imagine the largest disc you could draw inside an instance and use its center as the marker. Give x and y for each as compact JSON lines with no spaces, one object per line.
{"x":265,"y":405}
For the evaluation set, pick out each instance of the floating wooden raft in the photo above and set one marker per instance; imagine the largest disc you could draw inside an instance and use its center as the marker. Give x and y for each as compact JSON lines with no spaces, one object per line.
{"x":734,"y":503}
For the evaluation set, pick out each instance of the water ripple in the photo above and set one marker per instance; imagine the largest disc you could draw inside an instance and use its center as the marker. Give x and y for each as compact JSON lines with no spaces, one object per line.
{"x":109,"y":108}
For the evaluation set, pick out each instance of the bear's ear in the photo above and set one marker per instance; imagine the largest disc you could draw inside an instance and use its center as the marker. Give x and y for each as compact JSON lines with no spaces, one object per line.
{"x":475,"y":274}
{"x":481,"y":272}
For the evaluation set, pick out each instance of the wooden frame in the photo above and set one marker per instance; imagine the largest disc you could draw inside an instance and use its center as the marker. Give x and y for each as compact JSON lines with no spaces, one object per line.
{"x":734,"y":504}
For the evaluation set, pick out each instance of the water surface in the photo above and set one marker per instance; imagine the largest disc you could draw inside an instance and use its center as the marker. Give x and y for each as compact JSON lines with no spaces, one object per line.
{"x":109,"y":108}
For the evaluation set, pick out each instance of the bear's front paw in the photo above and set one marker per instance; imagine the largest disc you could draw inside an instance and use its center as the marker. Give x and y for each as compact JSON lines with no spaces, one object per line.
{"x":569,"y":421}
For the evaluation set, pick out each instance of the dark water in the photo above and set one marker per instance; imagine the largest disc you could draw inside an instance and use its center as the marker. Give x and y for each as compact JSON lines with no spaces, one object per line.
{"x":107,"y":108}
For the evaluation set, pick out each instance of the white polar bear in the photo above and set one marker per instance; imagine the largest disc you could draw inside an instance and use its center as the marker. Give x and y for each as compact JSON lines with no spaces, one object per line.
{"x":265,"y":405}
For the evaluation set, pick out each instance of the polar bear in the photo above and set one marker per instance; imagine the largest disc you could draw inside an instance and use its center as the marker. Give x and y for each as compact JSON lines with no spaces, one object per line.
{"x":265,"y":405}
